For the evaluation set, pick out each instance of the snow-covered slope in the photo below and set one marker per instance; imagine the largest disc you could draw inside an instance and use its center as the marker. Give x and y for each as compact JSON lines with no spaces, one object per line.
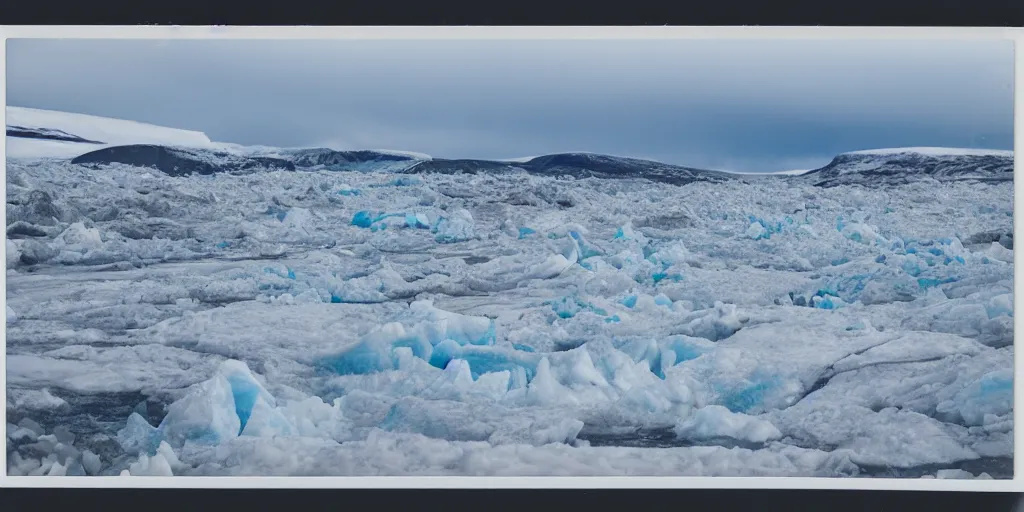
{"x":934,"y":151}
{"x":102,"y":130}
{"x":895,"y":166}
{"x":34,"y":133}
{"x":579,"y":165}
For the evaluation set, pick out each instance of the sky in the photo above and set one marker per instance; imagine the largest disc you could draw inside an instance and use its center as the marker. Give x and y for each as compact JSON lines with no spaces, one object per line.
{"x":739,"y":105}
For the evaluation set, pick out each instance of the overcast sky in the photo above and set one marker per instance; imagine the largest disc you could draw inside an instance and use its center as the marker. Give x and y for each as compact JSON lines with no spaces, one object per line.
{"x":748,"y":106}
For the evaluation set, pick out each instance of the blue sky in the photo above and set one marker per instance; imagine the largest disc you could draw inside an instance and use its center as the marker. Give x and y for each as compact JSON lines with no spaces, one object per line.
{"x":742,"y":105}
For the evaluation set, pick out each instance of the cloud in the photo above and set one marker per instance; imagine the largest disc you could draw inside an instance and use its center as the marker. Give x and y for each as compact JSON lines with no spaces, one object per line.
{"x":759,"y":104}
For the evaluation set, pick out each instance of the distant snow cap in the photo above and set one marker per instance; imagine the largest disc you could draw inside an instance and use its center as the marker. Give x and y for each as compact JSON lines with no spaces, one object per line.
{"x":934,"y":151}
{"x":518,"y":160}
{"x":411,"y":154}
{"x":104,"y":129}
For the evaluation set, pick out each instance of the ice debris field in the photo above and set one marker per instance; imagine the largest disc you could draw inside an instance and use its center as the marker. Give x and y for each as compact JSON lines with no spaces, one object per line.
{"x":333,"y":322}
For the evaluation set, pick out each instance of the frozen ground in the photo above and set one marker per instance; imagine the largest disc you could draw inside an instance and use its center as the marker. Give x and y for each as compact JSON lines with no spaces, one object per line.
{"x":364,"y":323}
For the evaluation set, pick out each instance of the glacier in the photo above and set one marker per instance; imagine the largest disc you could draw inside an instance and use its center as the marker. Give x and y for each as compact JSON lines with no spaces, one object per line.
{"x":370,"y":314}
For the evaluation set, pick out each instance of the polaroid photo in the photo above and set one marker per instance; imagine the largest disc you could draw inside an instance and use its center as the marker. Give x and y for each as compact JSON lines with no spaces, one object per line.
{"x":510,"y":257}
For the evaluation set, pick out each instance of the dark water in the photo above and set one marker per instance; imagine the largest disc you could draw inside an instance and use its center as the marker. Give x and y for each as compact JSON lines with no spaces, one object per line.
{"x":654,"y":438}
{"x":996,"y":467}
{"x":94,"y":418}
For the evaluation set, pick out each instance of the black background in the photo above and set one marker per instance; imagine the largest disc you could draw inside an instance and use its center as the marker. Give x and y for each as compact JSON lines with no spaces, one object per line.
{"x":892,"y":13}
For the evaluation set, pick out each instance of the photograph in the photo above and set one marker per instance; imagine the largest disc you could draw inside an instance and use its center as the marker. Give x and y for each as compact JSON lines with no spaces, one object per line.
{"x":509,"y":257}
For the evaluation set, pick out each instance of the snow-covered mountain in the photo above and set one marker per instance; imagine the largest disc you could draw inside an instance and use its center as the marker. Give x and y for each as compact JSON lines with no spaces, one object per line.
{"x":578,"y":165}
{"x":37,"y":133}
{"x":897,"y":166}
{"x":34,"y":133}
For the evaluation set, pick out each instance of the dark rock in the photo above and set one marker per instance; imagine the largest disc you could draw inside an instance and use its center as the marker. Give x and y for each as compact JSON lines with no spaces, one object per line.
{"x":182,"y":161}
{"x":577,"y":165}
{"x":897,"y":169}
{"x":337,"y":160}
{"x":45,"y":133}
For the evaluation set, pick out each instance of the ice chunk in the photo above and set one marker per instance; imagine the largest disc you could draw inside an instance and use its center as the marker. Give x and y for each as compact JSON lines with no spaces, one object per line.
{"x":245,"y":389}
{"x":718,"y":323}
{"x":860,"y":232}
{"x":265,"y":420}
{"x":954,"y":474}
{"x":138,"y":435}
{"x":457,"y":228}
{"x":57,"y":469}
{"x":32,"y":425}
{"x":1000,"y":305}
{"x":363,"y":219}
{"x":298,"y":220}
{"x":417,"y":220}
{"x":672,"y":253}
{"x":756,"y":231}
{"x":217,"y":409}
{"x":206,"y":414}
{"x":18,"y":466}
{"x":989,"y":396}
{"x":34,"y":399}
{"x":75,"y":468}
{"x":64,"y":435}
{"x":715,"y":421}
{"x":21,"y":433}
{"x":996,"y":251}
{"x":91,"y":462}
{"x":78,"y":238}
{"x":421,"y":328}
{"x":346,"y":190}
{"x":545,"y":388}
{"x":563,"y":432}
{"x":482,"y":360}
{"x":157,"y":465}
{"x":553,"y":266}
{"x":13,"y":254}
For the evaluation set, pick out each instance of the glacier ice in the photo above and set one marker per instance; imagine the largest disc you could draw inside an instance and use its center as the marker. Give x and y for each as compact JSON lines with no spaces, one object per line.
{"x":355,"y":322}
{"x":714,"y":421}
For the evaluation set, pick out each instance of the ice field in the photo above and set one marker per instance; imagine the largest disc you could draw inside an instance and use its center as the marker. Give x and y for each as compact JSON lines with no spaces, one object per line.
{"x":330,"y":322}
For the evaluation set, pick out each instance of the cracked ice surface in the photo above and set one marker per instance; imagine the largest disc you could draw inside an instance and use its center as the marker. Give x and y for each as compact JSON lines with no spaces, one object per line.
{"x":280,"y":323}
